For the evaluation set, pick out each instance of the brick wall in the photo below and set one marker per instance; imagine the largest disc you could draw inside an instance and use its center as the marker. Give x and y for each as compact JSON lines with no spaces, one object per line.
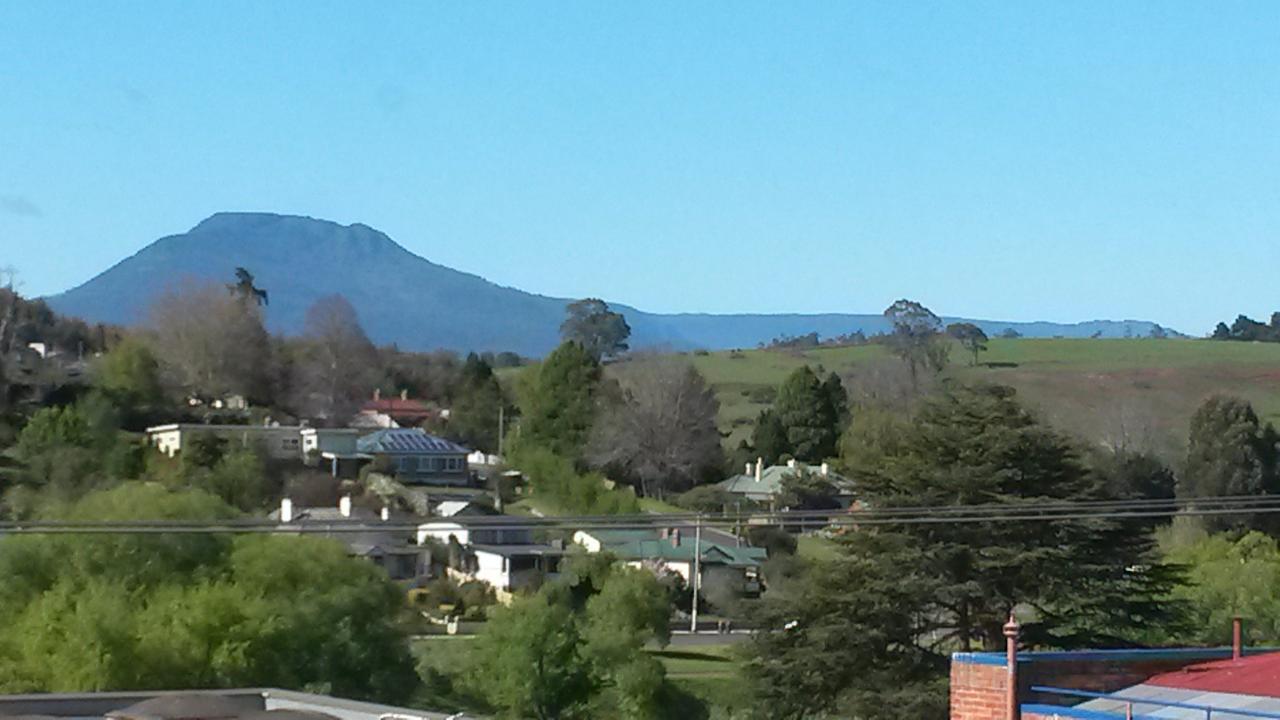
{"x":978,"y":691}
{"x":979,"y":680}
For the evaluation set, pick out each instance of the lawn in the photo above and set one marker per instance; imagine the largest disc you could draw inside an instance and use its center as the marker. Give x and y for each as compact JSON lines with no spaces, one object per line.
{"x":710,"y":672}
{"x":815,"y":547}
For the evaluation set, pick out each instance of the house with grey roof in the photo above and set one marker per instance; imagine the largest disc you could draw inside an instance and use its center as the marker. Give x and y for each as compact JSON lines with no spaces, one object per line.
{"x":231,"y":704}
{"x":416,"y":457}
{"x":389,"y":549}
{"x":763,"y":485}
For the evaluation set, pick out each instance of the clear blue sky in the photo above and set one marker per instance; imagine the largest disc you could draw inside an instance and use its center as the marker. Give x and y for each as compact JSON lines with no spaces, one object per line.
{"x":1013,"y":160}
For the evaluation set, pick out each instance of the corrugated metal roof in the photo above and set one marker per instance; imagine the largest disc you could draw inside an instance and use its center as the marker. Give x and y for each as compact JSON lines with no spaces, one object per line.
{"x":1256,"y":675}
{"x":1157,"y":697}
{"x":771,"y":478}
{"x":408,"y":441}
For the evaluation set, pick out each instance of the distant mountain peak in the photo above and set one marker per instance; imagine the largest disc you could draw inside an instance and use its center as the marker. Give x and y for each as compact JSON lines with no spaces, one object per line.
{"x":408,"y":300}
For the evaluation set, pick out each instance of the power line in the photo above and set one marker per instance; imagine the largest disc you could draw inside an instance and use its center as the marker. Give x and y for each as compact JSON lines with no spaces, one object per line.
{"x":1056,"y":511}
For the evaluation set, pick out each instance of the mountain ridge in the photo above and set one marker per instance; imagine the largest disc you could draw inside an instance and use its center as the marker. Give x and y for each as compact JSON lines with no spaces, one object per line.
{"x":406,"y":299}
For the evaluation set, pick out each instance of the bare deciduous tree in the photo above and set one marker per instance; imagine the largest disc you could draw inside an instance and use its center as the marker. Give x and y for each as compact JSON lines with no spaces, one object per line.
{"x":210,"y":344}
{"x":662,"y":434}
{"x":339,"y":365}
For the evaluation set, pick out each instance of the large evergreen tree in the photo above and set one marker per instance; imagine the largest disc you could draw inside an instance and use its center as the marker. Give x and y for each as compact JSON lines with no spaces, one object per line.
{"x":558,"y":400}
{"x":1088,"y":581}
{"x":477,"y":406}
{"x":1229,"y":452}
{"x":805,"y":409}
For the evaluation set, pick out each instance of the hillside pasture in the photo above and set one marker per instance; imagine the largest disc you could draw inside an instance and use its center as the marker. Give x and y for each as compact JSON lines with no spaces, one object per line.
{"x":1140,"y":392}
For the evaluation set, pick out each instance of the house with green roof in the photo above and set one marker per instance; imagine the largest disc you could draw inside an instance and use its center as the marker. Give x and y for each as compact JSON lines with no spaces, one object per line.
{"x":723,"y":559}
{"x":763,"y":485}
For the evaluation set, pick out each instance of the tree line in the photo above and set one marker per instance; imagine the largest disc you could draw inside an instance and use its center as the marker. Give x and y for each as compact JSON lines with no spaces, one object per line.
{"x":1245,"y":328}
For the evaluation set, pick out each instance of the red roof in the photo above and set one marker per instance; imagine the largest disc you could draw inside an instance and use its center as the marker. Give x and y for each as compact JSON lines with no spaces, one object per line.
{"x":1253,"y":675}
{"x":398,"y":407}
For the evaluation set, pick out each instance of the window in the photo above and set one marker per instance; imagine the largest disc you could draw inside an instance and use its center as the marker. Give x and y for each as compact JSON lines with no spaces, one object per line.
{"x":405,"y":464}
{"x":424,"y":464}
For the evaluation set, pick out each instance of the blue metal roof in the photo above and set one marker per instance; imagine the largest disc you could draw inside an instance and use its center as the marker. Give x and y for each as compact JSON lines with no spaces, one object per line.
{"x":407,"y":441}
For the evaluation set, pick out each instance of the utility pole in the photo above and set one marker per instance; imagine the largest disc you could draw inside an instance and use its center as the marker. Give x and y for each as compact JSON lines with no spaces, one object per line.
{"x":502,"y":409}
{"x":697,"y":572}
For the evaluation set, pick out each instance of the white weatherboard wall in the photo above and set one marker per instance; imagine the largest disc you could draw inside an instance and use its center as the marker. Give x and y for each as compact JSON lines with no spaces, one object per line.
{"x":492,"y":568}
{"x":442,"y":531}
{"x":587,"y":541}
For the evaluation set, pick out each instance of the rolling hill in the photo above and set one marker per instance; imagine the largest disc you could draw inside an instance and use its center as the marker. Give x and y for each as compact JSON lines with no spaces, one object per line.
{"x":419,"y":305}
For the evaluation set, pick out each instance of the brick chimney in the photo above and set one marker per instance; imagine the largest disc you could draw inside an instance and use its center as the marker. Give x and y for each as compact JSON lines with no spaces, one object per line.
{"x":1237,"y":638}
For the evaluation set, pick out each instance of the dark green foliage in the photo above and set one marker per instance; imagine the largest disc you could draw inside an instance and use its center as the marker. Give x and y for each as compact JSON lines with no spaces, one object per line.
{"x":203,"y":450}
{"x":776,"y":540}
{"x":555,"y":479}
{"x":591,"y":324}
{"x":1134,"y":475}
{"x":900,"y":598}
{"x":707,"y":499}
{"x":847,"y":641}
{"x":165,"y":611}
{"x":804,"y":490}
{"x":838,"y":400}
{"x":769,"y":437}
{"x":1229,"y":452}
{"x":807,"y":410}
{"x":130,"y":376}
{"x":558,"y":401}
{"x":1246,"y":329}
{"x":576,"y":648}
{"x":473,"y":419}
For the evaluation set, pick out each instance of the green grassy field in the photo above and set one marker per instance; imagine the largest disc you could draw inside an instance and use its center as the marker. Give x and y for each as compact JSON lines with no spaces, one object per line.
{"x":710,"y":672}
{"x":1139,"y":391}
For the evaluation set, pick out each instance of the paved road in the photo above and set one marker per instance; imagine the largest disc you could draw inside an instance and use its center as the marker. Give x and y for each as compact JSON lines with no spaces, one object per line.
{"x":684,"y":639}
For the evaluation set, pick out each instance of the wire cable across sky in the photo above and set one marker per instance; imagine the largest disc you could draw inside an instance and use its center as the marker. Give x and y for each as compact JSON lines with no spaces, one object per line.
{"x":1031,"y":511}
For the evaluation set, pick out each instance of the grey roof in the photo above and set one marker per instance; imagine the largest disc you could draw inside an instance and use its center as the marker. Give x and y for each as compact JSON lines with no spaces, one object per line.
{"x":1158,"y":694}
{"x":407,"y":441}
{"x":287,"y":715}
{"x":771,"y":478}
{"x":184,"y":707}
{"x":251,"y":701}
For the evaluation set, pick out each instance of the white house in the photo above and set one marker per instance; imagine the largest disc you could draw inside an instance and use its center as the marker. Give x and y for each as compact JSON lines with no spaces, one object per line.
{"x":448,"y":529}
{"x":283,"y":442}
{"x":511,"y":568}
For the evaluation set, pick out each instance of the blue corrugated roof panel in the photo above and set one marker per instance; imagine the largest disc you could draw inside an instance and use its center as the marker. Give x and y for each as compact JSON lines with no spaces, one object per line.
{"x":408,"y":441}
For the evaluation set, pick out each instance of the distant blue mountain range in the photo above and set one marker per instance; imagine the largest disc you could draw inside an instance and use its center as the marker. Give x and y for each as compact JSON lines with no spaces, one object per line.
{"x":410,"y":301}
